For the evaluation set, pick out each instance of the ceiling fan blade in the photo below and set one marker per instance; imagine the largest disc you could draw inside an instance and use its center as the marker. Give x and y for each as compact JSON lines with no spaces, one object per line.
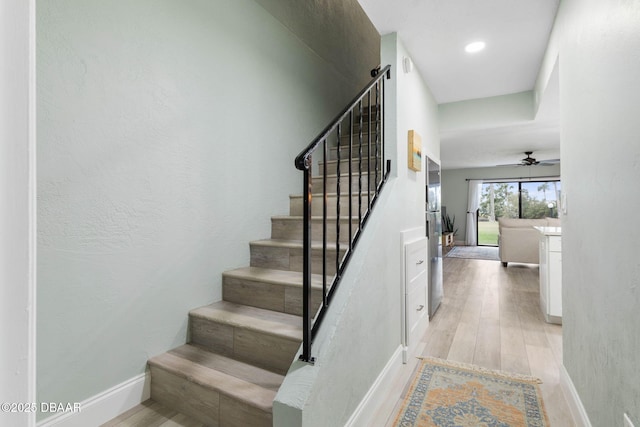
{"x":532,"y":162}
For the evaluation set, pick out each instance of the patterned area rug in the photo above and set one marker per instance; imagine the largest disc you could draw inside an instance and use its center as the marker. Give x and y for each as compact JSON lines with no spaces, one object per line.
{"x":474,"y":252}
{"x":448,"y":394}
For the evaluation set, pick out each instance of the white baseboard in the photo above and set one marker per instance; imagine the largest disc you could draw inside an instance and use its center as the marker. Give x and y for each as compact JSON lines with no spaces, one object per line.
{"x":578,"y":412}
{"x":377,"y":393}
{"x":105,"y":406}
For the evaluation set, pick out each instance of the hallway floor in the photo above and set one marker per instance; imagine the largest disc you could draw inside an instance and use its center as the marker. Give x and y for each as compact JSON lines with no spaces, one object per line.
{"x":490,"y":316}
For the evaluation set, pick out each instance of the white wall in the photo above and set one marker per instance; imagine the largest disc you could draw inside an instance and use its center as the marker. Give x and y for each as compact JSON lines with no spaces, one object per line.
{"x":416,"y":109}
{"x":17,"y":210}
{"x":598,"y":43}
{"x":455,"y":187}
{"x":167,"y":133}
{"x":362,"y":331}
{"x":485,"y":113}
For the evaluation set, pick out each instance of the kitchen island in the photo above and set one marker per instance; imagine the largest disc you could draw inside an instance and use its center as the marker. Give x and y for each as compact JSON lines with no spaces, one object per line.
{"x":551,"y":273}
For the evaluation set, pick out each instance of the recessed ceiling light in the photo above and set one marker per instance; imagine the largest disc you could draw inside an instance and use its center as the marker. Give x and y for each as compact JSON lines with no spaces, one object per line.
{"x":474,"y":47}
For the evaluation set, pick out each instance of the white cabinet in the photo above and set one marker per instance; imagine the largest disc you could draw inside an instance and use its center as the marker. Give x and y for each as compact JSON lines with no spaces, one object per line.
{"x":416,"y":305}
{"x":551,"y":274}
{"x":555,"y":283}
{"x":415,"y":292}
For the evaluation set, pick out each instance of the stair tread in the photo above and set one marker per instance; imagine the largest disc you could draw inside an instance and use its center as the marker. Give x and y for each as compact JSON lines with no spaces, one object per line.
{"x":355,"y":143}
{"x":342,"y":175}
{"x":269,"y":322}
{"x":356,"y":138}
{"x":235,"y":368}
{"x":353,"y":159}
{"x":276,"y":277}
{"x":319,"y":195}
{"x":355,"y":154}
{"x":207,"y":375}
{"x":313,"y":218}
{"x":345,"y":141}
{"x":292,"y":244}
{"x":364,"y":132}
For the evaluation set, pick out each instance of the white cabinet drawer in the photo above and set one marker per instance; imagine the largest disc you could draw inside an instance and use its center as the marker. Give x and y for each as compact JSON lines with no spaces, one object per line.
{"x":420,"y":281}
{"x":416,"y":303}
{"x":555,"y":244}
{"x":416,"y":258}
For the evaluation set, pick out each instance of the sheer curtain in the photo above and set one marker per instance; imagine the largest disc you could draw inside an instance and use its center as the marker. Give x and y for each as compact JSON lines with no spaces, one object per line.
{"x":473,"y":202}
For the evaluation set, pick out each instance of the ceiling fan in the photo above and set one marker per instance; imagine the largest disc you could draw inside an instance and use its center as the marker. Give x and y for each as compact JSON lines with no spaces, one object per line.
{"x":531,"y":161}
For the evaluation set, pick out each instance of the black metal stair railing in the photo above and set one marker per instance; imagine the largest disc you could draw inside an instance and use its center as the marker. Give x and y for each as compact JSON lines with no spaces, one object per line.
{"x":366,"y":110}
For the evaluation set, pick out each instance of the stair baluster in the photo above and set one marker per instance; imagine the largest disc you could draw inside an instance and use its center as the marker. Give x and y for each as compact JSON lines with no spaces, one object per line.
{"x":304,"y":162}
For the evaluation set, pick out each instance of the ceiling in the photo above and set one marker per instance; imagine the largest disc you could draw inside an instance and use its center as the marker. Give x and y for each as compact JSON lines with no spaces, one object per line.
{"x":516,"y":33}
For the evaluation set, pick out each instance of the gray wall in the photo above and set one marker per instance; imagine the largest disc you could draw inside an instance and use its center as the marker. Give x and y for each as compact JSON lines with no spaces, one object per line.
{"x":598,"y":43}
{"x":455,"y":187}
{"x":166,"y":137}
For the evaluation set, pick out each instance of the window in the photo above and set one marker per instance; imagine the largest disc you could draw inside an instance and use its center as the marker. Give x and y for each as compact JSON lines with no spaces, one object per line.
{"x":515,"y":199}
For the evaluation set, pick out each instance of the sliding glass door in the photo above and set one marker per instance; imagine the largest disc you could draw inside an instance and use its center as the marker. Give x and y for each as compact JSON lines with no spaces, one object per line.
{"x":515,"y":199}
{"x":540,"y":199}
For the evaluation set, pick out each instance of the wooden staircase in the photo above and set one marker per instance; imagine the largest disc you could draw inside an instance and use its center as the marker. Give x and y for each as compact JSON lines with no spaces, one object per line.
{"x":240,"y":348}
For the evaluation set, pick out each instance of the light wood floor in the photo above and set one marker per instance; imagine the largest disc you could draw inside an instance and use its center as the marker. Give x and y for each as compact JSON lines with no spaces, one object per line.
{"x":490,"y":316}
{"x":152,"y":414}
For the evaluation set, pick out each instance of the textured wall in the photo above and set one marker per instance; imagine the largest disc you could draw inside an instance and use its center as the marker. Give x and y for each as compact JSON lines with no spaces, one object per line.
{"x":598,"y":42}
{"x":166,"y":137}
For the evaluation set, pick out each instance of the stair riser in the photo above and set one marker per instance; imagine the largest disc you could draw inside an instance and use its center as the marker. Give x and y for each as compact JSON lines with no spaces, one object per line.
{"x":368,"y":164}
{"x":296,"y":206}
{"x":365,"y":125}
{"x":355,"y":151}
{"x":345,"y":136}
{"x":282,"y":298}
{"x":317,"y":184}
{"x":365,"y":108}
{"x":365,"y":112}
{"x":265,"y":351}
{"x":203,"y":404}
{"x":291,"y":259}
{"x":346,"y":130}
{"x":291,"y":229}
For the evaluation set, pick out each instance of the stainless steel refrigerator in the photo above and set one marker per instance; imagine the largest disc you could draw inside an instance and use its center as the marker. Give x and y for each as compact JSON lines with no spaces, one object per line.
{"x":434,"y":233}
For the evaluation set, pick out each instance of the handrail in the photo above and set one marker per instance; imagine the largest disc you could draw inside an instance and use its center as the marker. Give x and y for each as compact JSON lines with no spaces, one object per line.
{"x":301,"y":159}
{"x":365,"y":202}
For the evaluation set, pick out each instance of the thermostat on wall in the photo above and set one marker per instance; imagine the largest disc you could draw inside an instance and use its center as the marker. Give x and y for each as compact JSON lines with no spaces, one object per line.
{"x":407,"y":64}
